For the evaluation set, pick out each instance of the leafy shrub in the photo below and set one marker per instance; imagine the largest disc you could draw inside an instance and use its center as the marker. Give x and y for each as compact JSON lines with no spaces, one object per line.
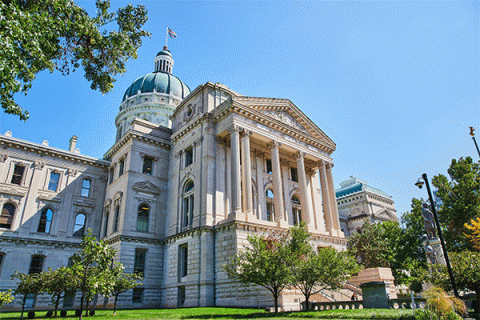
{"x":442,"y":305}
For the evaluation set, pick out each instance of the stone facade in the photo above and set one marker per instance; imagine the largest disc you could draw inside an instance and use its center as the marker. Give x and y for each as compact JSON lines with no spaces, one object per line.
{"x":177,"y":199}
{"x":358,"y":201}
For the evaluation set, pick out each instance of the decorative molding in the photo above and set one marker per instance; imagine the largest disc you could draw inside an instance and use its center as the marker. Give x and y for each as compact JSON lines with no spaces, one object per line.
{"x":3,"y":157}
{"x":72,"y":172}
{"x":39,"y":165}
{"x":146,"y":187}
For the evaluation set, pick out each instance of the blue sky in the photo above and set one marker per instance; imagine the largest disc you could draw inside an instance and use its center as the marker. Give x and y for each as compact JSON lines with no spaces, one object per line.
{"x":395,"y":84}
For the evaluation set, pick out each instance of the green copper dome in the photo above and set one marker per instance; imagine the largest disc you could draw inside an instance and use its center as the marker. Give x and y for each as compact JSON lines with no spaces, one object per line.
{"x":161,"y":82}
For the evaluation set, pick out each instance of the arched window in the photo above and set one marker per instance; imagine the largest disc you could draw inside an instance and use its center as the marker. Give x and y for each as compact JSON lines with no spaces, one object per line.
{"x":270,"y":206}
{"x":188,"y":203}
{"x":116,"y":217}
{"x":296,"y":211}
{"x":45,"y":220}
{"x":79,"y":228}
{"x":105,"y":227}
{"x":6,"y":217}
{"x":142,"y":217}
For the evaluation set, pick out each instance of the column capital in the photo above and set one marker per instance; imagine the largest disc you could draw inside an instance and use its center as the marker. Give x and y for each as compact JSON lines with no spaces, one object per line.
{"x":299,"y":155}
{"x":39,"y":165}
{"x":274,"y":144}
{"x":3,"y":157}
{"x":244,"y":133}
{"x":234,"y":129}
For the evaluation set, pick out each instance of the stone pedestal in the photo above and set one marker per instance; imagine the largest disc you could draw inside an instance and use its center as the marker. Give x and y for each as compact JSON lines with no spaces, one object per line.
{"x":435,"y":252}
{"x":383,"y":275}
{"x":375,"y":295}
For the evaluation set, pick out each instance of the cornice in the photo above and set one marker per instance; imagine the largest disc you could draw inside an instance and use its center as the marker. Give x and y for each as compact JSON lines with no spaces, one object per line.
{"x":52,"y":152}
{"x":139,"y":136}
{"x":44,"y":242}
{"x":124,"y":238}
{"x":203,"y":118}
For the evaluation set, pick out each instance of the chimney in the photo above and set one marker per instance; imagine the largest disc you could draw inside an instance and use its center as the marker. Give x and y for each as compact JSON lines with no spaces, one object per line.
{"x":73,"y":144}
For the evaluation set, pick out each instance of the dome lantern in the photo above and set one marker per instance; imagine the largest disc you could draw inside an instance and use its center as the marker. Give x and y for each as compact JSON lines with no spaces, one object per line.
{"x":164,"y":61}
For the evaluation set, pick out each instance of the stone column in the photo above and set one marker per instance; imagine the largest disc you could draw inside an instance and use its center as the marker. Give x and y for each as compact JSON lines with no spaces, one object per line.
{"x":302,"y":184}
{"x":333,"y":199}
{"x":317,"y":202}
{"x":246,"y":173}
{"x":277,"y":183}
{"x":236,"y":207}
{"x":325,"y":198}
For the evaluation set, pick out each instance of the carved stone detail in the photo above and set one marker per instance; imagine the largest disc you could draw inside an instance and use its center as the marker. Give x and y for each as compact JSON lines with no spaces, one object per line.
{"x":3,"y":157}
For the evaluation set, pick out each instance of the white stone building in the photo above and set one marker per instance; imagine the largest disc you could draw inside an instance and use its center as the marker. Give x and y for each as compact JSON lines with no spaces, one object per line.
{"x":189,"y":177}
{"x":358,"y":201}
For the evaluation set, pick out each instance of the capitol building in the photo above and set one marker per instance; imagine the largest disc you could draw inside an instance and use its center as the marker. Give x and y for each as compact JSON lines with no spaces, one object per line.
{"x":190,"y":176}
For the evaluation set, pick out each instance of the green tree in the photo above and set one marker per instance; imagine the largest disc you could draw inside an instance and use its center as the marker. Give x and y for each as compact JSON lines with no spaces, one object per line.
{"x":58,"y":283}
{"x":460,"y":201}
{"x":58,"y":34}
{"x":92,"y":268}
{"x":28,"y":284}
{"x":322,"y":269}
{"x":265,"y":262}
{"x":120,"y":282}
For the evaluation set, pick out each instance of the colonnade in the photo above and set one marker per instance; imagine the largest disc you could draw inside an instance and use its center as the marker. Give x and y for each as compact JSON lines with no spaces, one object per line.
{"x":242,"y":200}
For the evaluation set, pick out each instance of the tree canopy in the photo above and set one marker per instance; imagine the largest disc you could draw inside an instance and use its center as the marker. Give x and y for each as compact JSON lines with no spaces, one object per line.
{"x":58,"y":34}
{"x":459,"y":196}
{"x":474,"y":233}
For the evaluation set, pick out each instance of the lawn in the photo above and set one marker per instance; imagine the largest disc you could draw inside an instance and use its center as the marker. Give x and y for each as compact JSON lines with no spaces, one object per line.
{"x":230,"y":313}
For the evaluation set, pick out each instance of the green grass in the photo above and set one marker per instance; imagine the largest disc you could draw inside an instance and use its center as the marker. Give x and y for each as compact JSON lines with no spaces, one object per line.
{"x":229,"y":313}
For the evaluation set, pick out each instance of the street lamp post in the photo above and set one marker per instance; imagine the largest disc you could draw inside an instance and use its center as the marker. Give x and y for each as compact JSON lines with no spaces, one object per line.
{"x":440,"y":235}
{"x":475,"y":141}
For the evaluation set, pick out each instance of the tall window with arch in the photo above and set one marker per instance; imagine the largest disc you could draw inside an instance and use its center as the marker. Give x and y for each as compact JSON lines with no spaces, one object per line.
{"x":188,"y":204}
{"x":45,"y":222}
{"x":296,"y":211}
{"x":6,"y":217}
{"x":116,"y":217}
{"x":270,"y":206}
{"x":79,"y":227}
{"x":142,"y":217}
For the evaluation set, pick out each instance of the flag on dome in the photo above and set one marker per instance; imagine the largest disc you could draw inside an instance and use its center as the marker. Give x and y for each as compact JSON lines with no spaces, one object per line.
{"x":172,"y":34}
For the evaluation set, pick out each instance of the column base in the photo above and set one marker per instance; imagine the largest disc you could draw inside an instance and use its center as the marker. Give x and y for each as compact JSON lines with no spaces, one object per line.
{"x":336,"y":233}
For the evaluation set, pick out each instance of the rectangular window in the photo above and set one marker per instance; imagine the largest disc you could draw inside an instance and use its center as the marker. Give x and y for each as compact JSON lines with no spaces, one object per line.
{"x":269,"y":166}
{"x":270,"y":210}
{"x":139,"y":266}
{"x":86,"y":184}
{"x":182,"y":260}
{"x":148,"y":165}
{"x":188,"y":157}
{"x":69,"y":299}
{"x":110,"y":175}
{"x":137,"y":296}
{"x":121,"y":167}
{"x":294,"y":174}
{"x":18,"y":174}
{"x":53,"y":183}
{"x":36,"y":264}
{"x":29,"y":301}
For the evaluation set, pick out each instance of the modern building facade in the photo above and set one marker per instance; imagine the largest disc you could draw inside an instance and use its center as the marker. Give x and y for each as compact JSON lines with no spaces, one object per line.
{"x":190,"y":176}
{"x":358,"y":201}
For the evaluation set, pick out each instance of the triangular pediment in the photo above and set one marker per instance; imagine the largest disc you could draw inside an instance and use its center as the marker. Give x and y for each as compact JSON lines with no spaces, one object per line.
{"x":146,"y":187}
{"x":284,"y":112}
{"x":386,"y":215}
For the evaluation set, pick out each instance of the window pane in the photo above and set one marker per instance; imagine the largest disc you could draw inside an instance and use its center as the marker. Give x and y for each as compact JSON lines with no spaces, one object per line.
{"x":79,"y":227}
{"x":105,"y":229}
{"x":189,"y":187}
{"x":269,"y":194}
{"x":116,"y":217}
{"x":45,"y":221}
{"x":147,"y":165}
{"x":36,"y":264}
{"x":294,"y":174}
{"x":6,"y":218}
{"x":142,"y":217}
{"x":269,"y":166}
{"x":121,"y":167}
{"x":139,"y":266}
{"x":188,"y":157}
{"x":30,"y":301}
{"x":137,"y":296}
{"x":53,"y":184}
{"x":86,"y":188}
{"x":18,"y":174}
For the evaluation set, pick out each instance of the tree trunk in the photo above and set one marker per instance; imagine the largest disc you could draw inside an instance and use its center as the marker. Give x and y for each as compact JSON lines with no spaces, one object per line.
{"x":86,"y":307}
{"x":56,"y":304}
{"x":275,"y":297}
{"x":81,"y":305}
{"x":23,"y":305}
{"x":115,"y":305}
{"x":307,"y":303}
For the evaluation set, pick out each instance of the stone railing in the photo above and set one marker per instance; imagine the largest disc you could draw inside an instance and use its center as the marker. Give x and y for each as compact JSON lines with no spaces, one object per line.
{"x":402,"y":303}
